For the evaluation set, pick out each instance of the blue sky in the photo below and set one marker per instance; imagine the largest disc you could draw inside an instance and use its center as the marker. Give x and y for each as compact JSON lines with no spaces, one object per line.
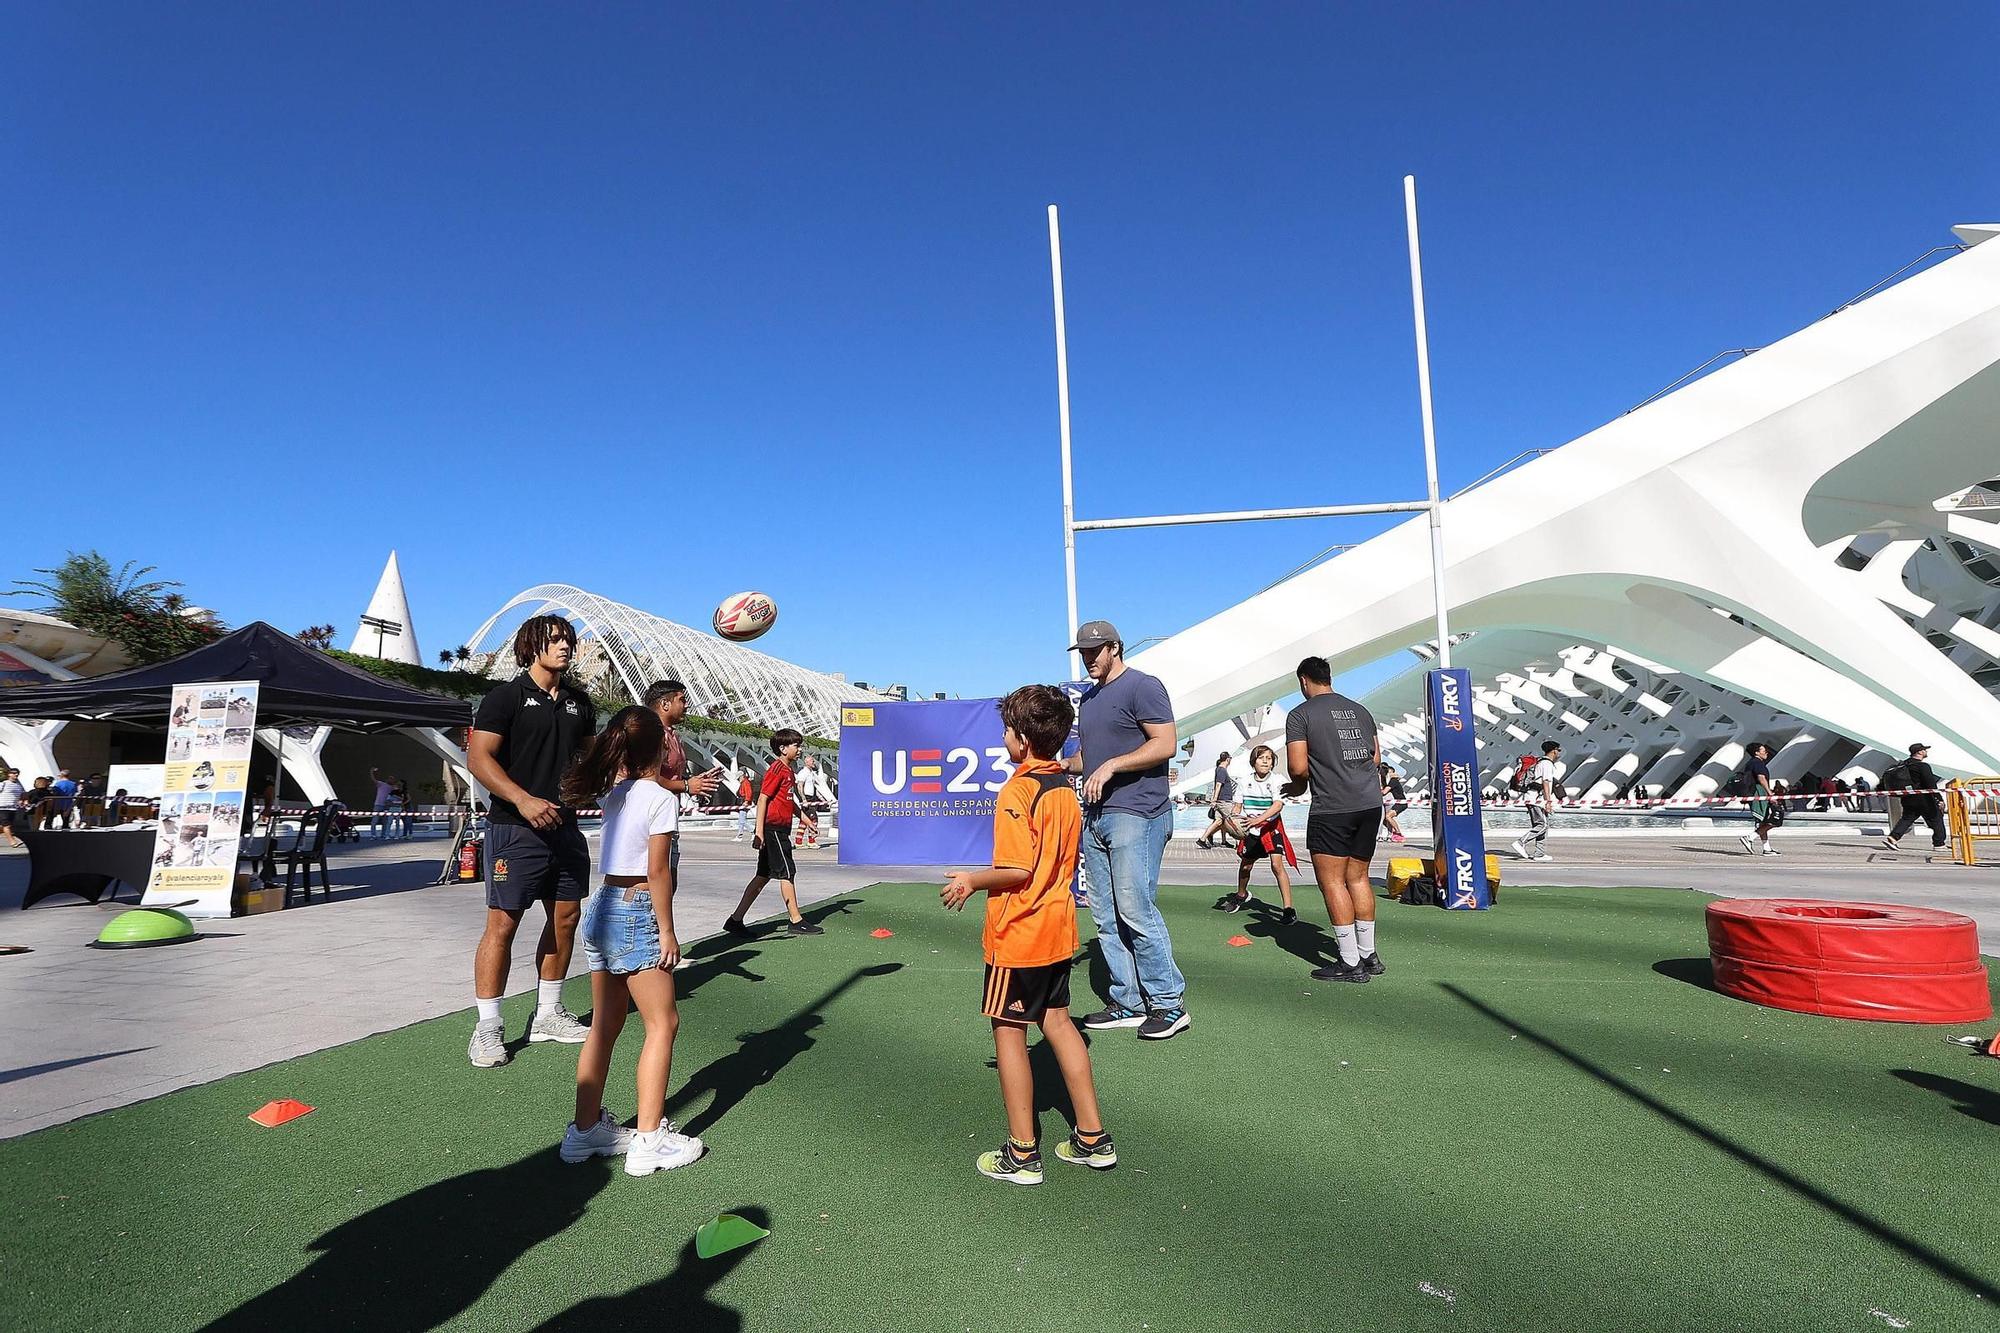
{"x":670,"y":304}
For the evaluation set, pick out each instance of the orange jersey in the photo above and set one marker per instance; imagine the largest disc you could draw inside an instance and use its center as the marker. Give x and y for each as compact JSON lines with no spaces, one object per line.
{"x":1036,"y":828}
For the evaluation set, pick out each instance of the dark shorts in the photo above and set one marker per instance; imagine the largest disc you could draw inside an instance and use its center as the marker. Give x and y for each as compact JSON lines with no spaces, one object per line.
{"x":1024,"y":994}
{"x":525,"y":866}
{"x":774,"y":859}
{"x":1346,"y":833}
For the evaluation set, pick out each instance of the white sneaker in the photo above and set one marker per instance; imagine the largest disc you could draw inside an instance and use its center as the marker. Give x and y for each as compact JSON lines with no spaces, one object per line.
{"x":662,"y":1150}
{"x":1543,"y":857}
{"x":1521,"y":851}
{"x":558,"y":1024}
{"x":1749,"y":843}
{"x":1769,"y":850}
{"x":606,"y":1138}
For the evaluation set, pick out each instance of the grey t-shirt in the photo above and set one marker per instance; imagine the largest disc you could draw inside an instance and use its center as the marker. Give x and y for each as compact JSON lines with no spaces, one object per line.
{"x":1225,"y":786}
{"x":1109,"y":719}
{"x":1340,"y":752}
{"x":11,"y":795}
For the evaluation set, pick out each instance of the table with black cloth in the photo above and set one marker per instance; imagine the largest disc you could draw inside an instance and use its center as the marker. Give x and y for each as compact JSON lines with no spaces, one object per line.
{"x":87,"y":862}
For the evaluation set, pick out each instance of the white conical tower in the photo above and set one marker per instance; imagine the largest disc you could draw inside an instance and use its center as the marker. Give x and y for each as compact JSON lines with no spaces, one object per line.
{"x":392,"y":605}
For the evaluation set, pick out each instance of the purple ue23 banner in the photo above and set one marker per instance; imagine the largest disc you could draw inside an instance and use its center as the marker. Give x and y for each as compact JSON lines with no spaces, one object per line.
{"x":918,"y":782}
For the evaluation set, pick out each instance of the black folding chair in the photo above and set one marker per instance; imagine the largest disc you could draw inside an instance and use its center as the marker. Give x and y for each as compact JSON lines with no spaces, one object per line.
{"x":308,"y":850}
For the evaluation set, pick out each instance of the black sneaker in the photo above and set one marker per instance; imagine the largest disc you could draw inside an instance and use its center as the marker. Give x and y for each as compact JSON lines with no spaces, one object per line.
{"x":1288,"y":917}
{"x":1339,"y":971}
{"x":1203,"y":843}
{"x":1164,"y":1023}
{"x":734,"y":926}
{"x":805,"y":928}
{"x":1116,"y":1016}
{"x":1229,"y":902}
{"x":1371,"y":963}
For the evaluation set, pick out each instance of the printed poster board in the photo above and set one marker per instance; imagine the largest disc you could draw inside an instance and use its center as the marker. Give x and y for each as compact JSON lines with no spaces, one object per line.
{"x":211,"y":728}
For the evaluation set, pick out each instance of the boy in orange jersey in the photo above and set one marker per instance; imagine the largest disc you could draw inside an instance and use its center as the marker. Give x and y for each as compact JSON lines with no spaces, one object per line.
{"x":1030,"y":936}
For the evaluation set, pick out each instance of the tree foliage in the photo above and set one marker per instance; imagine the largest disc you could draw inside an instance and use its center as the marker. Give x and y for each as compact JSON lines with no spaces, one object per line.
{"x":148,"y":616}
{"x":317,"y":636}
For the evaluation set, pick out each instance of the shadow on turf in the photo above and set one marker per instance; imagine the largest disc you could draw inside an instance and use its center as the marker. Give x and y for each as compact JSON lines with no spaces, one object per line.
{"x":422,"y":1259}
{"x":1973,"y":1100}
{"x":1896,"y":1240}
{"x":760,"y":1056}
{"x":680,"y":1300}
{"x":1694,"y":971}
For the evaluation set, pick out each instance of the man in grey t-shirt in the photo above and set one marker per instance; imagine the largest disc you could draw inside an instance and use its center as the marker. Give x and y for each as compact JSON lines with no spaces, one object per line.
{"x":1331,"y":745}
{"x":1125,"y":730}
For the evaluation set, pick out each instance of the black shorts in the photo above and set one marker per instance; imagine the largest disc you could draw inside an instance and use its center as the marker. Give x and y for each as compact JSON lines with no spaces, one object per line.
{"x":1343,"y":833}
{"x":525,"y":866}
{"x":774,"y":858}
{"x":1024,"y":994}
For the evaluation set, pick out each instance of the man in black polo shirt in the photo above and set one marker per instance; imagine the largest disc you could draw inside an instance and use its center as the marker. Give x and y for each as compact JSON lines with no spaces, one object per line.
{"x":523,"y":738}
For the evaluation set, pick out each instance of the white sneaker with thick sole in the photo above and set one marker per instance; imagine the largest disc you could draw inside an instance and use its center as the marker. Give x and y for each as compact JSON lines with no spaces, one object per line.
{"x":1541,"y":856}
{"x":1769,"y":850}
{"x":488,"y":1048}
{"x":1749,"y":843}
{"x":1521,"y":851}
{"x":662,"y":1150}
{"x":606,"y":1138}
{"x":558,"y":1024}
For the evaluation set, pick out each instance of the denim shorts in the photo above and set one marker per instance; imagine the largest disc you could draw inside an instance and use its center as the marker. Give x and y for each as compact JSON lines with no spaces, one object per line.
{"x":619,"y":937}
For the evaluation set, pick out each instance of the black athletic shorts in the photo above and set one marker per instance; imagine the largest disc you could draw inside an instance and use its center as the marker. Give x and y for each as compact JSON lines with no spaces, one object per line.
{"x":774,"y":858}
{"x":1024,"y":994}
{"x":525,"y":866}
{"x":1343,"y":833}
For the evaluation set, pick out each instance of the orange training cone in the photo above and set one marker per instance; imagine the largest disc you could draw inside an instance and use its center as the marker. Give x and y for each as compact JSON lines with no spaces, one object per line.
{"x":881,"y":932}
{"x":272,"y":1114}
{"x":1238,"y":941}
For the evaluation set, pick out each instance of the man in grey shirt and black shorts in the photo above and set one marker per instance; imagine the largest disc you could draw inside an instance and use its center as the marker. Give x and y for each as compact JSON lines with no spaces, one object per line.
{"x":1331,"y":745}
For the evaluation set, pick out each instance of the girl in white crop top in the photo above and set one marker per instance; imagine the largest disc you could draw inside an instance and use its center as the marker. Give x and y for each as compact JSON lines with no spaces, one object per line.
{"x":629,"y":945}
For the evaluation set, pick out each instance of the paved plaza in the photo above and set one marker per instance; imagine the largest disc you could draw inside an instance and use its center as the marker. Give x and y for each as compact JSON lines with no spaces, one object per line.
{"x":93,"y":1029}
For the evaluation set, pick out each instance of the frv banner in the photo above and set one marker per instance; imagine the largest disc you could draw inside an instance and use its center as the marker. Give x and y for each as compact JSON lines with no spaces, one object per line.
{"x":918,"y":782}
{"x":1461,"y":841}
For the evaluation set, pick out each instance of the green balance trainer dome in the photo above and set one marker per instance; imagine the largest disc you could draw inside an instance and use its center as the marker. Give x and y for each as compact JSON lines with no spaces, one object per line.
{"x":144,"y":927}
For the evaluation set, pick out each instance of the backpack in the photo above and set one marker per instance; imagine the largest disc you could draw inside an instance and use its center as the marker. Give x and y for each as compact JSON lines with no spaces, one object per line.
{"x":1896,"y":777}
{"x":1524,"y":769}
{"x":1739,"y":783}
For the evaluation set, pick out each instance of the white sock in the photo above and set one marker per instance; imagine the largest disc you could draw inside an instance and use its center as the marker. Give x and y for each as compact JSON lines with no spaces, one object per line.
{"x":548,"y":994}
{"x":1350,"y":952}
{"x":1364,"y":936}
{"x":489,"y":1010}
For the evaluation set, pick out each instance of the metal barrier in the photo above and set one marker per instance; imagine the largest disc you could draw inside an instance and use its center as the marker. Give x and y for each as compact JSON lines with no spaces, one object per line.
{"x":1971,"y":816}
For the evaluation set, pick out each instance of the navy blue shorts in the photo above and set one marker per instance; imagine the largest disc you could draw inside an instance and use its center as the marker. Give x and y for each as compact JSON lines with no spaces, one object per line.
{"x":525,"y":866}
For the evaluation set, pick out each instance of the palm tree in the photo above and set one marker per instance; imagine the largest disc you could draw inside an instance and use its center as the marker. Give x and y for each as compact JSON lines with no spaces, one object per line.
{"x":444,"y":657}
{"x":149,"y":617}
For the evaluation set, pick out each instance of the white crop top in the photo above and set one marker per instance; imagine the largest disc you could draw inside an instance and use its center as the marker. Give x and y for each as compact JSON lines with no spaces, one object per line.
{"x":634,"y":811}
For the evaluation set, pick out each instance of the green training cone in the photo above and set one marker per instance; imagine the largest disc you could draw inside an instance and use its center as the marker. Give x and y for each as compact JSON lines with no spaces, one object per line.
{"x":727,"y":1232}
{"x":144,"y":927}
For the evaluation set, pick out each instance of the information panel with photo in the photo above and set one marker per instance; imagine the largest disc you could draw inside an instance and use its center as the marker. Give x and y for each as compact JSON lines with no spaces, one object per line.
{"x":210,"y":730}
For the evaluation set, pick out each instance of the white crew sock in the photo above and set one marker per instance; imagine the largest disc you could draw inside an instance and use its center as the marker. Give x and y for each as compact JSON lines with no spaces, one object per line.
{"x":1350,"y":952}
{"x":1364,"y":936}
{"x":489,"y":1010}
{"x":548,"y":995}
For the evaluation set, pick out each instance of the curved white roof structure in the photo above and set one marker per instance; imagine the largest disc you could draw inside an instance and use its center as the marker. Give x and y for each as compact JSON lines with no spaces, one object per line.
{"x":725,"y":680}
{"x":1770,"y":533}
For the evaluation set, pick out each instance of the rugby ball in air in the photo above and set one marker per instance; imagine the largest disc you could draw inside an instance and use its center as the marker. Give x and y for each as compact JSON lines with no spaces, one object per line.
{"x":745,"y":616}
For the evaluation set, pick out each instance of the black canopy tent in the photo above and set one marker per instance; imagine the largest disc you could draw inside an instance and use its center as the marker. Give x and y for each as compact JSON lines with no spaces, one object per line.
{"x":296,"y":686}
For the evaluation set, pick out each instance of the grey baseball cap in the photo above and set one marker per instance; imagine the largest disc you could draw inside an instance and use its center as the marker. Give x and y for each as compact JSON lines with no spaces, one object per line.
{"x":1094,"y":634}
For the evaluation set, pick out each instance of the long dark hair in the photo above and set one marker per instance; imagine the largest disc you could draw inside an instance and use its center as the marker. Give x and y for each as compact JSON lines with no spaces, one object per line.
{"x":630,"y":744}
{"x":537,"y":633}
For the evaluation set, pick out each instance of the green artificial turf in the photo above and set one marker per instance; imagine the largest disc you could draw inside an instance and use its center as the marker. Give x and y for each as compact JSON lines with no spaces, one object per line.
{"x":1539,"y":1119}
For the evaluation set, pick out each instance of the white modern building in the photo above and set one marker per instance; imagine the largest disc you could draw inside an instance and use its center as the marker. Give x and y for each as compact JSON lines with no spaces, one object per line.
{"x":1801,"y":547}
{"x":728,"y":681}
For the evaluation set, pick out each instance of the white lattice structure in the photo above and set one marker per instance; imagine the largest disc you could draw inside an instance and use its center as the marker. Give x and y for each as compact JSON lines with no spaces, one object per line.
{"x":725,"y":680}
{"x":1770,"y":533}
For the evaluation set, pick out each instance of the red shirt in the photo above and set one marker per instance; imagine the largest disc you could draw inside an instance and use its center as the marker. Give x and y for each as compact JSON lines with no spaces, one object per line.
{"x":777,"y":789}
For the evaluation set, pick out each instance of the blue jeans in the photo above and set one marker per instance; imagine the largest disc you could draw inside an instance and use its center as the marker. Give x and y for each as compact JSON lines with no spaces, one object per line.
{"x":1121,"y":859}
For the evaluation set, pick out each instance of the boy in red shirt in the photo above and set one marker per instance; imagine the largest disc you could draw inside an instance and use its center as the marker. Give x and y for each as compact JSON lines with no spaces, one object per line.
{"x":776,"y":803}
{"x":1030,"y":936}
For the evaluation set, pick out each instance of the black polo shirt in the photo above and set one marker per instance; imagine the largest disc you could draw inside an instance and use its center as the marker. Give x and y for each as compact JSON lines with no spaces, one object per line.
{"x":539,"y":736}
